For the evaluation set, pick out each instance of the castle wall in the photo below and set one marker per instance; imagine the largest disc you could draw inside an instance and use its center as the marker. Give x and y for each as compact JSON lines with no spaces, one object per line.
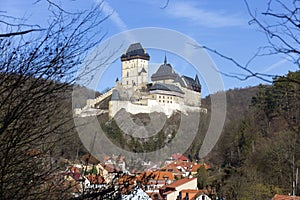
{"x":153,"y":106}
{"x":191,"y":98}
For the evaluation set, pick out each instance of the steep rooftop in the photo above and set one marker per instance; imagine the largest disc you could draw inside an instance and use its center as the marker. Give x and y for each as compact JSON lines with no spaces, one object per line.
{"x":135,"y":51}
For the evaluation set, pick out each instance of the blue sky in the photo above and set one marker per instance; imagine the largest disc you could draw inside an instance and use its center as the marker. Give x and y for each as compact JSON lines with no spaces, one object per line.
{"x":220,"y":25}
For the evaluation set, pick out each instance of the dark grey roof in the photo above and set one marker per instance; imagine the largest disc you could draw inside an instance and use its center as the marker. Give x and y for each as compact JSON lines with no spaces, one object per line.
{"x":135,"y":50}
{"x":165,"y":71}
{"x":180,"y":81}
{"x":165,"y":87}
{"x":193,"y":84}
{"x":143,"y":70}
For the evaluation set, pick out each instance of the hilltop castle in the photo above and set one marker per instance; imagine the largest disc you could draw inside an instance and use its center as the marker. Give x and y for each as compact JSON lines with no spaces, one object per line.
{"x":167,"y":91}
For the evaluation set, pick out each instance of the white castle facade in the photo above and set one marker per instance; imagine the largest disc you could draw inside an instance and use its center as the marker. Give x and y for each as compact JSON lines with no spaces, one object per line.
{"x":166,"y":92}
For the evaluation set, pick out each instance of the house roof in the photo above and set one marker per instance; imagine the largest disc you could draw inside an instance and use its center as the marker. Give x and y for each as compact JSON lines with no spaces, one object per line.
{"x":95,"y":179}
{"x":74,"y":169}
{"x":111,"y":168}
{"x":127,"y":178}
{"x":157,"y":176}
{"x":192,"y":194}
{"x":177,"y":183}
{"x":178,"y":156}
{"x":197,"y":166}
{"x":285,"y":197}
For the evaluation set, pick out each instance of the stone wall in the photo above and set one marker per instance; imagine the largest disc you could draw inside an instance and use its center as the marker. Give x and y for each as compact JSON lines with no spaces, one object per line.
{"x":191,"y":98}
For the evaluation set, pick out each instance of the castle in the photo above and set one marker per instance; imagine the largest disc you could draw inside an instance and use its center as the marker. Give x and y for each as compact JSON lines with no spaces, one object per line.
{"x":167,"y":91}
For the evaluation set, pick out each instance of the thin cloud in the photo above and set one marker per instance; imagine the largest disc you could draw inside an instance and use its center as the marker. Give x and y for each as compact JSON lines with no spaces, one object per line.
{"x":275,"y":65}
{"x":191,"y":12}
{"x":115,"y":18}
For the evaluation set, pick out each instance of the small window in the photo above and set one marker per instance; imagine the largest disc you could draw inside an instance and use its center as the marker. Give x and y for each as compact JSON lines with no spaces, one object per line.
{"x":127,"y":82}
{"x":167,"y":101}
{"x":163,"y":101}
{"x":159,"y":101}
{"x":159,"y":96}
{"x":163,"y":97}
{"x":170,"y":101}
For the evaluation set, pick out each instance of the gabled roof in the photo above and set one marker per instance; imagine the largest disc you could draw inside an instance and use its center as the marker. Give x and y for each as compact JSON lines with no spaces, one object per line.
{"x":157,"y":176}
{"x":111,"y":168}
{"x":95,"y":179}
{"x":192,"y":194}
{"x":197,"y":166}
{"x":172,"y":167}
{"x":165,"y":71}
{"x":178,"y":156}
{"x":177,"y":183}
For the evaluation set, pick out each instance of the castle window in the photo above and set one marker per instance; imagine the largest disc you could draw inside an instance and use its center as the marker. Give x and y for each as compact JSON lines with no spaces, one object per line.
{"x":127,"y":82}
{"x":170,"y":101}
{"x":163,"y":101}
{"x":127,"y":74}
{"x":167,"y":101}
{"x":159,"y":101}
{"x":159,"y":96}
{"x":163,"y":97}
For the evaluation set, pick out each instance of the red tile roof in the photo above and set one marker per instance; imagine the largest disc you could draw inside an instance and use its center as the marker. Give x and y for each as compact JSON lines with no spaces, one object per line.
{"x":197,"y":166}
{"x":179,"y":182}
{"x":285,"y":197}
{"x":95,"y":179}
{"x":74,"y":169}
{"x":111,"y":168}
{"x":157,"y":175}
{"x":191,"y":193}
{"x":172,"y":167}
{"x":127,"y":178}
{"x":178,"y":156}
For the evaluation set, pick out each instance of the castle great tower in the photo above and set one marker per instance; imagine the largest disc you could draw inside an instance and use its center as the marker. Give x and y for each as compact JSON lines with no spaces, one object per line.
{"x":135,"y":66}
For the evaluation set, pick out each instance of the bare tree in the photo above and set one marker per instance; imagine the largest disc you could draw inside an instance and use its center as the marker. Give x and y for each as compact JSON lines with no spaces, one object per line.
{"x":37,"y":70}
{"x":280,"y":23}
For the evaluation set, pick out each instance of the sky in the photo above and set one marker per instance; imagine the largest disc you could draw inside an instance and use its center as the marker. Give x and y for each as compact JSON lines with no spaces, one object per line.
{"x":220,"y":25}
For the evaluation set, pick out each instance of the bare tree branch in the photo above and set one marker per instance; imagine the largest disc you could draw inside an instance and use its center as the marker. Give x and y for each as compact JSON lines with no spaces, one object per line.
{"x":20,"y":32}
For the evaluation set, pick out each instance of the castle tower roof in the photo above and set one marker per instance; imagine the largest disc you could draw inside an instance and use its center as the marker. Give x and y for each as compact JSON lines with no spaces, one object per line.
{"x":165,"y":71}
{"x":135,"y":51}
